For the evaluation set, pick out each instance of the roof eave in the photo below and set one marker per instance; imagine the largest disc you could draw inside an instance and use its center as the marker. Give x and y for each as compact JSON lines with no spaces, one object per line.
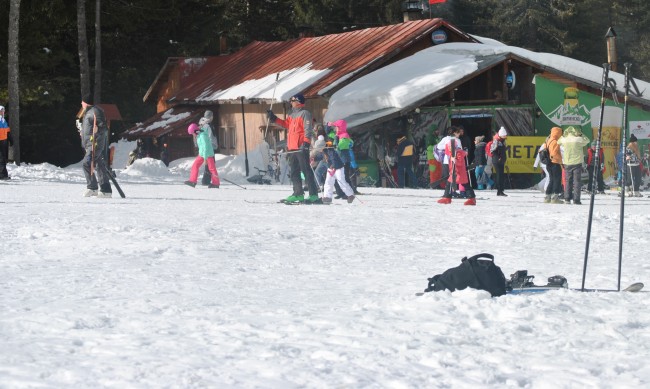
{"x":169,"y":64}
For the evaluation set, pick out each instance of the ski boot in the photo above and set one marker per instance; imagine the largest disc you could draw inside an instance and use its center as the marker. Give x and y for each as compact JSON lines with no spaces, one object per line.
{"x":294,"y":199}
{"x":313,"y":199}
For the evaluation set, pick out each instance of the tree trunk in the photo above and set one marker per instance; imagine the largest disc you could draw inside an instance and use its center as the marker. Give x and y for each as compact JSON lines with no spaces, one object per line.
{"x":84,"y":67}
{"x":98,"y":53}
{"x":12,"y":70}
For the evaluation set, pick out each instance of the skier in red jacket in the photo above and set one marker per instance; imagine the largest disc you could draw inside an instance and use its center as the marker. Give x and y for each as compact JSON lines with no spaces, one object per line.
{"x":299,"y":124}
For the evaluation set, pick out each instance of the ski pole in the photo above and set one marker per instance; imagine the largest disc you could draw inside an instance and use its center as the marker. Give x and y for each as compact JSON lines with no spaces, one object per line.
{"x":596,"y":163}
{"x":469,"y":176}
{"x":113,"y":180}
{"x":277,"y":76}
{"x":228,"y":181}
{"x":624,"y":141}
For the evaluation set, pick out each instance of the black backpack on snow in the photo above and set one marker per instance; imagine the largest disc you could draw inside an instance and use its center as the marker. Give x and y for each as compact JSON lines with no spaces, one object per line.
{"x":473,"y":273}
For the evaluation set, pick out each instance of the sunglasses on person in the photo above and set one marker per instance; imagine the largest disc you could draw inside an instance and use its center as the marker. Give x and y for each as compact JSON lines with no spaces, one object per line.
{"x":293,"y":100}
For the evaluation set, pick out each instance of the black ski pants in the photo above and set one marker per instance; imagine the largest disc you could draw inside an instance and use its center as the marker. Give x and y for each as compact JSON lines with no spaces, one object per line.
{"x":501,"y":177}
{"x":299,"y":162}
{"x":4,"y":158}
{"x":554,"y":179}
{"x":599,"y":179}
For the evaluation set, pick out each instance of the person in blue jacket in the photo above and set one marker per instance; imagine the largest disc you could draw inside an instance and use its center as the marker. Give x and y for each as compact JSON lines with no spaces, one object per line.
{"x":5,"y":141}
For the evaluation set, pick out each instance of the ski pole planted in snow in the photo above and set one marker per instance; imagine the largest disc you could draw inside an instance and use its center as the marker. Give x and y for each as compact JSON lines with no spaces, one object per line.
{"x":624,"y":138}
{"x":596,"y":163}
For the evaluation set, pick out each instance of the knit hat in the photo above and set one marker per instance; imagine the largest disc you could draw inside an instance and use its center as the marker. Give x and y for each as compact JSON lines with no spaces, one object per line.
{"x":479,"y":138}
{"x":299,"y":97}
{"x":502,"y":132}
{"x":88,"y":98}
{"x":320,"y":143}
{"x":208,"y":115}
{"x":633,"y":138}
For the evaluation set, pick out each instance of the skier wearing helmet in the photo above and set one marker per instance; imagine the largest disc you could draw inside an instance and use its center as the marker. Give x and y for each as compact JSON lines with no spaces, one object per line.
{"x":206,"y":154}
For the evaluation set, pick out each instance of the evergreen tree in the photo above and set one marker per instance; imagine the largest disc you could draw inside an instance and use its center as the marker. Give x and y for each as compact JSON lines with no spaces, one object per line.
{"x":137,"y":37}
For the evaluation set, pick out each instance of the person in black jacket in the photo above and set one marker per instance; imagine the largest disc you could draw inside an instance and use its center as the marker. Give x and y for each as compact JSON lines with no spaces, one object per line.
{"x":499,"y":158}
{"x":480,"y":161}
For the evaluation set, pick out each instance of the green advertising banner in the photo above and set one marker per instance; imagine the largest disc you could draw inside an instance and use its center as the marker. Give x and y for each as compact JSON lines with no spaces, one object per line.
{"x":563,"y":106}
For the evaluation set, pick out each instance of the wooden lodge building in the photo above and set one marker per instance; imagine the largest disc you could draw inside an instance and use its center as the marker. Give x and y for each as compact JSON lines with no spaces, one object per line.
{"x":525,"y":92}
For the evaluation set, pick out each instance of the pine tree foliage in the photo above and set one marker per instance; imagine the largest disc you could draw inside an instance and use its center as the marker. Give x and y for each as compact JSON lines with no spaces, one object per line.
{"x":139,"y":36}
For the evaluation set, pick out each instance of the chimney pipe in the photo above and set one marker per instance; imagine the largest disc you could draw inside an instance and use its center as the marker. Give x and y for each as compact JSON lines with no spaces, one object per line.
{"x":412,"y":10}
{"x":223,"y":44}
{"x":612,"y":59}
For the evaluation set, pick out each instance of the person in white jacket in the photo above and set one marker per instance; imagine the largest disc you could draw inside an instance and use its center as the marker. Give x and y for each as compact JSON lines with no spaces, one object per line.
{"x":543,"y":184}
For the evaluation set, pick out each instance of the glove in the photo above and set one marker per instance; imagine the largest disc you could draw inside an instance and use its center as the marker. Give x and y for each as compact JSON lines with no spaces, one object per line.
{"x":305,"y":146}
{"x":271,"y":116}
{"x":78,"y":123}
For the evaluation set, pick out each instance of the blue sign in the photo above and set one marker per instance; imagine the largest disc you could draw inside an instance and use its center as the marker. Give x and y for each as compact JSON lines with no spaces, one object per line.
{"x":439,"y":36}
{"x":511,"y":80}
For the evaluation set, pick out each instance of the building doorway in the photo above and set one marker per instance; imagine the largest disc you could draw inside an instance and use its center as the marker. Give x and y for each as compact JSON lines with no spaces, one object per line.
{"x":474,"y":125}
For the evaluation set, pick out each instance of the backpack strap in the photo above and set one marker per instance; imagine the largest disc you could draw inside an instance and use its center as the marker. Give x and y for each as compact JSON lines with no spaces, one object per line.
{"x":472,"y":260}
{"x":477,"y":256}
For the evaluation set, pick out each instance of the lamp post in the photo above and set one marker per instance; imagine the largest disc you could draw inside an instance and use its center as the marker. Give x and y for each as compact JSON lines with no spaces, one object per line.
{"x":243,"y":119}
{"x":610,"y":37}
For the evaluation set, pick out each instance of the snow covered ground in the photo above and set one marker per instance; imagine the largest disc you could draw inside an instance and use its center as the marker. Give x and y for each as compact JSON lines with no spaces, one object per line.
{"x":174,"y":287}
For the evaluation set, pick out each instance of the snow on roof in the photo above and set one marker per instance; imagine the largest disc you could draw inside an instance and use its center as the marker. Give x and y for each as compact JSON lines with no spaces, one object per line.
{"x":412,"y":79}
{"x":289,"y":83}
{"x":161,"y":121}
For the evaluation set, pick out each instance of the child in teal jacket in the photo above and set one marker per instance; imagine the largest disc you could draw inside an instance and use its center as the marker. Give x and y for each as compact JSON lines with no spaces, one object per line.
{"x":206,"y":153}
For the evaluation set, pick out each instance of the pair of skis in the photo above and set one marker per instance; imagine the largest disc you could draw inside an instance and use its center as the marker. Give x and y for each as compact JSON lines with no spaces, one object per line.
{"x":633,"y":288}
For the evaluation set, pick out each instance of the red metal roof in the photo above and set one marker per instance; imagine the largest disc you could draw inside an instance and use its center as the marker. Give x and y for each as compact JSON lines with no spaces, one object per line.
{"x":345,"y":55}
{"x":111,"y":111}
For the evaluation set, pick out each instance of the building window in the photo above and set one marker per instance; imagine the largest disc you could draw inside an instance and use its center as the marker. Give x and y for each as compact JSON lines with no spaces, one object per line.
{"x":222,"y":137}
{"x":227,"y":138}
{"x":232,"y":132}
